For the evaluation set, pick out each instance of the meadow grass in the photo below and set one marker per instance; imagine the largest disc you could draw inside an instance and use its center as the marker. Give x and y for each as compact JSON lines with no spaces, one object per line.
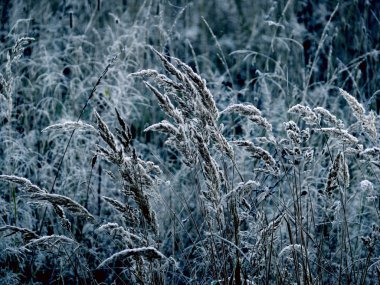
{"x":265,"y":168}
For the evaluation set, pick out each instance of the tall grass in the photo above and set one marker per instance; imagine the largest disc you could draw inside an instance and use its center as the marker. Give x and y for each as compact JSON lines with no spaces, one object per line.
{"x":168,"y":143}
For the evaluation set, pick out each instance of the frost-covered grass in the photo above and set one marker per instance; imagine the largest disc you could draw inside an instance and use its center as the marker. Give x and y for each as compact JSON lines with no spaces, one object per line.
{"x":204,"y":142}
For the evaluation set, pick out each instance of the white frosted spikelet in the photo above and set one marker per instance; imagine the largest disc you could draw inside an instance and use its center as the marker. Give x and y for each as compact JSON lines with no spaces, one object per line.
{"x":48,"y":241}
{"x":261,"y":121}
{"x":369,"y":125}
{"x":373,"y":152}
{"x":366,"y":186}
{"x":242,"y":188}
{"x":341,"y":135}
{"x":69,"y":126}
{"x":257,"y":152}
{"x":327,"y":116}
{"x":305,"y":113}
{"x":147,"y":252}
{"x":356,"y":107}
{"x":63,"y":201}
{"x":288,"y":250}
{"x":243,"y":109}
{"x":26,"y":184}
{"x":221,"y":142}
{"x":368,"y":122}
{"x":163,"y":127}
{"x":166,"y":104}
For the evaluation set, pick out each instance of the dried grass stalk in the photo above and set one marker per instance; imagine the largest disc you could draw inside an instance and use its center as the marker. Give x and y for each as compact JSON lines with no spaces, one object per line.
{"x":149,"y":253}
{"x":161,"y":79}
{"x":118,"y":232}
{"x":243,"y":188}
{"x":356,"y":107}
{"x":105,"y":133}
{"x":257,"y":152}
{"x":368,"y":122}
{"x":61,"y":214}
{"x":27,"y":186}
{"x":271,"y":228}
{"x":27,"y":234}
{"x":48,"y":241}
{"x":243,"y":109}
{"x":166,"y":104}
{"x":261,"y":121}
{"x":338,"y":168}
{"x":330,"y":118}
{"x":206,"y":96}
{"x":124,"y":134}
{"x":369,"y":125}
{"x":210,"y":168}
{"x":69,"y":126}
{"x":63,"y":201}
{"x":133,"y":171}
{"x":116,"y":204}
{"x":305,"y":113}
{"x":372,"y":153}
{"x":341,"y":135}
{"x":170,"y":67}
{"x":163,"y":127}
{"x":221,"y":142}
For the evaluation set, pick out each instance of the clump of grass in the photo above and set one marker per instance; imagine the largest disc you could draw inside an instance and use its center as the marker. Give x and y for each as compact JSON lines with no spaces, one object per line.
{"x":290,"y":174}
